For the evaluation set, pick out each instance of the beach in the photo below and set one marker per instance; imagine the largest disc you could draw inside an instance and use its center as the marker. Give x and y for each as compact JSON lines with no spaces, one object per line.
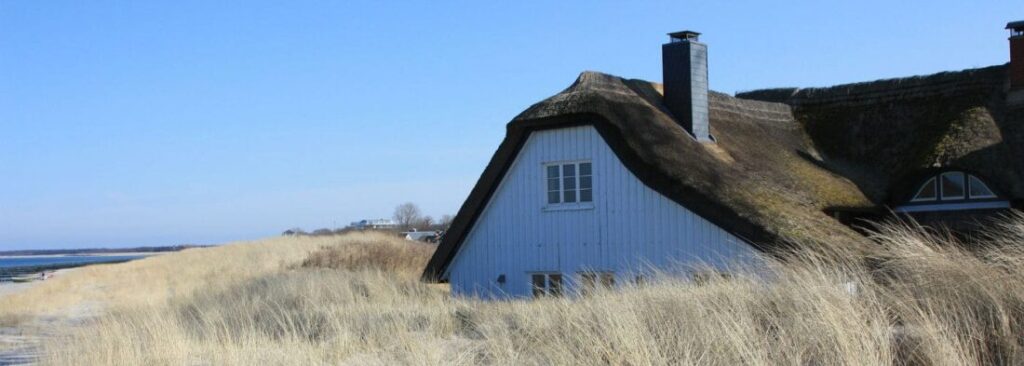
{"x":20,"y":345}
{"x":7,"y":288}
{"x":111,"y":254}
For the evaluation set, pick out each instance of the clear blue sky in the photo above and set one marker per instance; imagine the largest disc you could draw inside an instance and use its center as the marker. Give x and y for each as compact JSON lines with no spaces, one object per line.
{"x":131,"y":123}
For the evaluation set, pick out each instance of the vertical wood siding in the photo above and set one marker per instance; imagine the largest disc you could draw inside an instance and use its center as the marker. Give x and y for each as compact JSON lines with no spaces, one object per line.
{"x":630,"y":228}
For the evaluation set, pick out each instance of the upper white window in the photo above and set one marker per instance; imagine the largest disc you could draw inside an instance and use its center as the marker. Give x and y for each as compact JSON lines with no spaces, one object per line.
{"x":569,"y":183}
{"x":953,"y":186}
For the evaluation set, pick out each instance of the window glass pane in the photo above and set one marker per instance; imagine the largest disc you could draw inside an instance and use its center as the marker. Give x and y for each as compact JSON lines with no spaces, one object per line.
{"x":570,"y":196}
{"x":584,"y":168}
{"x":927,"y":191}
{"x":537,"y":281}
{"x":553,"y":184}
{"x":553,"y":171}
{"x":586,"y":195}
{"x":553,"y":197}
{"x":979,"y":189}
{"x":569,"y":183}
{"x":555,"y":284}
{"x":569,"y":170}
{"x":952,"y":185}
{"x":585,"y":182}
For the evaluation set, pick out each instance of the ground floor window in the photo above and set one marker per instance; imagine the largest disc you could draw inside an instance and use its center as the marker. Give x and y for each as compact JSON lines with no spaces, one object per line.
{"x":546,"y":284}
{"x":591,"y":280}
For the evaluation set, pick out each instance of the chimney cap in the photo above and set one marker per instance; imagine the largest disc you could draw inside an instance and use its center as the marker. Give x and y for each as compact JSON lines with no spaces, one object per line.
{"x":1018,"y":25}
{"x":686,"y":35}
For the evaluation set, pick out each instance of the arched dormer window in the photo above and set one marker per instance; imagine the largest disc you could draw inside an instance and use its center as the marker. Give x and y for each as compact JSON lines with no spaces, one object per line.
{"x":953,"y":186}
{"x":953,"y":190}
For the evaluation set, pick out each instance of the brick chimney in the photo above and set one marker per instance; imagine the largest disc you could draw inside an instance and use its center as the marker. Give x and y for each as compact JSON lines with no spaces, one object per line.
{"x":684,"y":65}
{"x":1016,"y":54}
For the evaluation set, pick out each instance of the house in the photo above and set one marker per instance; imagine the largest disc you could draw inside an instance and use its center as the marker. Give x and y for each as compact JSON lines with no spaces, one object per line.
{"x":374,"y":224}
{"x":612,"y":175}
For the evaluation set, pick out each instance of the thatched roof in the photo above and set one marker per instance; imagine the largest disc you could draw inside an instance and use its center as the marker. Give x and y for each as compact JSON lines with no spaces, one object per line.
{"x":780,"y":165}
{"x":885,"y":134}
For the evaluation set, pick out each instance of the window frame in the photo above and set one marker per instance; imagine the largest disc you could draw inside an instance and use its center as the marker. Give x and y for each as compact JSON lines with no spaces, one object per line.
{"x":967,"y":182}
{"x":934,"y":181}
{"x":590,"y":281}
{"x":548,"y":290}
{"x":942,"y":186}
{"x":971,"y":178}
{"x":577,"y":190}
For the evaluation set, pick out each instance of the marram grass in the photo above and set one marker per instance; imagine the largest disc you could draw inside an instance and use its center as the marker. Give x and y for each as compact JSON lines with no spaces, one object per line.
{"x":918,"y":299}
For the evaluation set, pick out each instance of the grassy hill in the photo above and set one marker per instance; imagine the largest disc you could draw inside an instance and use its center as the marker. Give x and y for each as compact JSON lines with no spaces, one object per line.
{"x":355,"y":299}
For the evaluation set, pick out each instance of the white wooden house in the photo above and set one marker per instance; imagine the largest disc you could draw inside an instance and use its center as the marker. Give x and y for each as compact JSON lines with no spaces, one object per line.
{"x":612,"y":177}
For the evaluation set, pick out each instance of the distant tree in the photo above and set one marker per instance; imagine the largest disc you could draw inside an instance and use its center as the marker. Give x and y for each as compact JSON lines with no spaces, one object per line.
{"x":406,"y":215}
{"x":325,"y":231}
{"x":294,"y":231}
{"x":446,"y":221}
{"x":424,"y":223}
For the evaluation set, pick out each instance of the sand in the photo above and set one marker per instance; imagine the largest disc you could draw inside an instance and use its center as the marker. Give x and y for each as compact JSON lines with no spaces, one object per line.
{"x":7,"y":288}
{"x":20,"y":345}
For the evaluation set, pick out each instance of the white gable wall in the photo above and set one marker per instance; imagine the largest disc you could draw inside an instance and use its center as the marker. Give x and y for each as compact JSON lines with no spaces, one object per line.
{"x":630,"y":228}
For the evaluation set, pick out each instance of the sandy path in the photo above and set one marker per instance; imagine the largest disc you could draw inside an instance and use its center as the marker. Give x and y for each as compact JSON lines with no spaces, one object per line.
{"x":20,"y":346}
{"x":7,"y":288}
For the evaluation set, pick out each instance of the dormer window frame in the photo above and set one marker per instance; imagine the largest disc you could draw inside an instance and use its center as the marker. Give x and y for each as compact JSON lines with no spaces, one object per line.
{"x":941,"y":188}
{"x":953,"y":190}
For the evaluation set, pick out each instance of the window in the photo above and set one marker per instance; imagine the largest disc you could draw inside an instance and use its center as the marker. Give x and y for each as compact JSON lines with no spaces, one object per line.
{"x":569,"y":183}
{"x":927,"y":192}
{"x":979,"y":189}
{"x":590,"y":280}
{"x":953,"y":186}
{"x":546,"y":284}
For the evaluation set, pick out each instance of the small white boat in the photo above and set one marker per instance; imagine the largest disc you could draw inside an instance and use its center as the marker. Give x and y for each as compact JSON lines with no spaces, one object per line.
{"x":22,"y":279}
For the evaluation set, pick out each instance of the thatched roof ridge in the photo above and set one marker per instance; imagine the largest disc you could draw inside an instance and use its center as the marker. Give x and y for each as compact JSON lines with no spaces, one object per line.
{"x":943,"y":84}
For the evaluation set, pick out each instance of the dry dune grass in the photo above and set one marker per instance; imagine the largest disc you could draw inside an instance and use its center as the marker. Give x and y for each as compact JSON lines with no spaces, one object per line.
{"x":155,"y":280}
{"x":919,"y":300}
{"x":398,"y":257}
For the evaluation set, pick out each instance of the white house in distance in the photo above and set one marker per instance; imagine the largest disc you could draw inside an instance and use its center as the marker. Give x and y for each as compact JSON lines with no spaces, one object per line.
{"x":597,"y":184}
{"x":373,"y":224}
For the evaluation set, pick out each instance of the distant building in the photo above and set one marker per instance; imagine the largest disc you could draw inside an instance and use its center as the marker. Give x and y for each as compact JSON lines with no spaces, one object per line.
{"x":373,"y":224}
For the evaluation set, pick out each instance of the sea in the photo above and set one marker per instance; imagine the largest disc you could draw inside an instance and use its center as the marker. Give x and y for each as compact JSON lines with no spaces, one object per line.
{"x":62,"y":261}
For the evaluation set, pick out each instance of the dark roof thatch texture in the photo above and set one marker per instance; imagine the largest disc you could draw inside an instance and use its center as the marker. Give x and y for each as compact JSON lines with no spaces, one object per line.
{"x":884,"y":135}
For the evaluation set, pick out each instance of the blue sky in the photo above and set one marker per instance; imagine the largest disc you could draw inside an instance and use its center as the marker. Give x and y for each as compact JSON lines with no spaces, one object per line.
{"x":131,"y":123}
